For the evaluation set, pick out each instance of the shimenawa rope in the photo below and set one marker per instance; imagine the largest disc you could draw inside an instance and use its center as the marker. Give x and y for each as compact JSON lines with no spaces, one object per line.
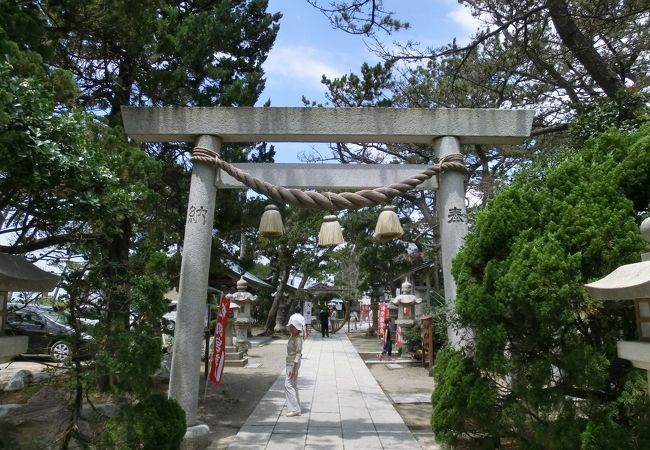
{"x":330,"y":200}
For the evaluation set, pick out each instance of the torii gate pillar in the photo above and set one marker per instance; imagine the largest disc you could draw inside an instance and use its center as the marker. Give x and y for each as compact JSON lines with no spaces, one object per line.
{"x":195,"y":265}
{"x":452,"y":220}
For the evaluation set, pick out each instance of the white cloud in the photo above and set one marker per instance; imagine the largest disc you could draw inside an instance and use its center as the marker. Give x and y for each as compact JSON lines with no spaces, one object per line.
{"x":462,"y":17}
{"x":305,"y":65}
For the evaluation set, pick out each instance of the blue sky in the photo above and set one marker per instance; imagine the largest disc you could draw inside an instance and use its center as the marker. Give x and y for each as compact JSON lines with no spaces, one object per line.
{"x":307,"y":47}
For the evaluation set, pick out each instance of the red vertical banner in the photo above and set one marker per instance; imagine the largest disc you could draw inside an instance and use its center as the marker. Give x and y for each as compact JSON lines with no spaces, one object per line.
{"x":365,"y":310}
{"x":382,"y":315}
{"x":219,"y":344}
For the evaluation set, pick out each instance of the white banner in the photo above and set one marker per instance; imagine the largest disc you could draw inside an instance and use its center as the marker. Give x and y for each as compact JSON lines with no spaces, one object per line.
{"x":306,"y":312}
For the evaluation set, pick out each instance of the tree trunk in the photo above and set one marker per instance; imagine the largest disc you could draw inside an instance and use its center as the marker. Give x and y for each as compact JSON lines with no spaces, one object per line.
{"x":277,"y":299}
{"x":117,"y":247}
{"x":583,"y":49}
{"x":283,"y":309}
{"x":117,"y":304}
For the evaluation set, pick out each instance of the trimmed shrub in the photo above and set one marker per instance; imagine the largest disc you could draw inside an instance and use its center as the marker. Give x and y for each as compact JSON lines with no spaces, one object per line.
{"x":155,"y":423}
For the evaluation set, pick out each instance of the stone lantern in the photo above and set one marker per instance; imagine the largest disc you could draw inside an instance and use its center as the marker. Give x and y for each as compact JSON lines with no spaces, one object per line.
{"x":631,"y":282}
{"x":405,"y":303}
{"x":244,"y":300}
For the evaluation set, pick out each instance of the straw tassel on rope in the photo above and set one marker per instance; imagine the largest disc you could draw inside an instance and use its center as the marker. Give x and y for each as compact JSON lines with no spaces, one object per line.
{"x":271,"y":222}
{"x":388,"y":226}
{"x":330,"y":232}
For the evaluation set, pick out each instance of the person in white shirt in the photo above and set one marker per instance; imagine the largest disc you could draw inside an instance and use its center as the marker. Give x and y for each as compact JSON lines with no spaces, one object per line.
{"x":294,"y":355}
{"x":297,"y":315}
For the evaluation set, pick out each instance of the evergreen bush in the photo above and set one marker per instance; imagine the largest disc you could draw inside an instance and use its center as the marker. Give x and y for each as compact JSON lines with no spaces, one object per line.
{"x":155,"y":423}
{"x":541,"y":369}
{"x":411,"y":338}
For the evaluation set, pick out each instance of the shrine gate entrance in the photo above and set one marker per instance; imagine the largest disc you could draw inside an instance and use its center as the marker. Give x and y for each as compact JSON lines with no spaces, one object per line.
{"x":445,"y":129}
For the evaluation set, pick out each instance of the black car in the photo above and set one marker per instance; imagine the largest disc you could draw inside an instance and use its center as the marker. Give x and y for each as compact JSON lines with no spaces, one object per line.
{"x":47,"y":330}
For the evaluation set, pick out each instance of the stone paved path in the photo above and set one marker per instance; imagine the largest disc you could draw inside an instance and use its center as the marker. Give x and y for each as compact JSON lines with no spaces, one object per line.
{"x":343,"y":407}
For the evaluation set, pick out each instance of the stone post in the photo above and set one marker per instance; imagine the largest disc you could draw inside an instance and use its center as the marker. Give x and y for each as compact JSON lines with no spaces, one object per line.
{"x":192,"y":291}
{"x":375,"y":296}
{"x":453,"y":222}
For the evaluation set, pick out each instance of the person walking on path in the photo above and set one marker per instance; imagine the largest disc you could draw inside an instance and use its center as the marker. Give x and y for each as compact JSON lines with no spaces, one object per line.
{"x":354,"y":317}
{"x":294,"y":354}
{"x":324,"y":322}
{"x":297,"y":315}
{"x":387,"y":342}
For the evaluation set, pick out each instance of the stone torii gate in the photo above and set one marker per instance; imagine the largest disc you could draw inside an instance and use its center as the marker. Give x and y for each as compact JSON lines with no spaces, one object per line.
{"x":208,"y":128}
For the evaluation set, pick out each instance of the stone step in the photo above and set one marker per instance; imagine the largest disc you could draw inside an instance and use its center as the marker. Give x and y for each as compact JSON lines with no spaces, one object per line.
{"x":234,"y":356}
{"x":395,"y":361}
{"x":236,"y":362}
